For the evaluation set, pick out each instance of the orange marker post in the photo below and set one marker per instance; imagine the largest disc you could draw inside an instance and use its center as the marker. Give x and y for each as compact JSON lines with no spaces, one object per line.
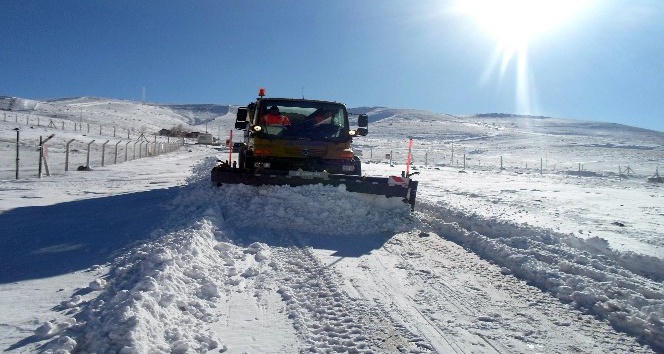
{"x":410,"y":148}
{"x":230,"y":149}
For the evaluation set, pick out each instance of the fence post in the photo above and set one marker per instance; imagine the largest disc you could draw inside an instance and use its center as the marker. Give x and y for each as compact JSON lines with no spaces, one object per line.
{"x":87,"y":163}
{"x":134,"y":158}
{"x":67,"y":154}
{"x":103,"y":152}
{"x":452,"y":158}
{"x":127,"y":149}
{"x":41,"y":156}
{"x":17,"y":143}
{"x":116,"y":150}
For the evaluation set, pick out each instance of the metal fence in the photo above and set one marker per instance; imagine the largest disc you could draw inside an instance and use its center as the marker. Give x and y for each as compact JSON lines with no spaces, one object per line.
{"x":25,"y":159}
{"x":67,"y":124}
{"x":24,"y":156}
{"x":636,"y":164}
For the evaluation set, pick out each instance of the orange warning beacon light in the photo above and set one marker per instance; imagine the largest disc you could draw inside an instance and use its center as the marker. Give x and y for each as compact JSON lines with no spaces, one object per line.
{"x":261,"y":92}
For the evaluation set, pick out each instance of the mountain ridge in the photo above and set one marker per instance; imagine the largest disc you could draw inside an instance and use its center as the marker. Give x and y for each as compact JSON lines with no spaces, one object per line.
{"x":200,"y":114}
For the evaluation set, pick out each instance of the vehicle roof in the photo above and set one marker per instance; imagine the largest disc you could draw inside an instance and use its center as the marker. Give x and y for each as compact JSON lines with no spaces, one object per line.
{"x":298,"y":100}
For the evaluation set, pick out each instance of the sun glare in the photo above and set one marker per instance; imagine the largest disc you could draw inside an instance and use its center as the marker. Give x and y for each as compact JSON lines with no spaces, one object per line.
{"x":514,"y":24}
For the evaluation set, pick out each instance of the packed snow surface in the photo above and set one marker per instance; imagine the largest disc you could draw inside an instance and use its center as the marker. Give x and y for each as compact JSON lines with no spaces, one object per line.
{"x":147,"y":256}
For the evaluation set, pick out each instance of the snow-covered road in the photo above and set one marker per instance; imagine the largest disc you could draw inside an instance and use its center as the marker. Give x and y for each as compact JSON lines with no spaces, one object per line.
{"x":241,"y":269}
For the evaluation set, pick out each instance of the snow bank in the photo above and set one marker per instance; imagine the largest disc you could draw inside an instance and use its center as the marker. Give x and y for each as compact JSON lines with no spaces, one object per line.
{"x":157,"y":299}
{"x":162,"y":296}
{"x":318,"y":209}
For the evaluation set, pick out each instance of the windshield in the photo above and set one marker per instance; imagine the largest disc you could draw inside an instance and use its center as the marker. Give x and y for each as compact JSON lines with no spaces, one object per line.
{"x":302,"y":119}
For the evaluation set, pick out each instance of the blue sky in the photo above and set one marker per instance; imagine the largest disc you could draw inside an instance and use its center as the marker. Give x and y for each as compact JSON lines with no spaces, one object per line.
{"x":604,"y":62}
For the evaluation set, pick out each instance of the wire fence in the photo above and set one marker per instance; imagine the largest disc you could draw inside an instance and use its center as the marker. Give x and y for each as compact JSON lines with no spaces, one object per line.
{"x":641,"y":165}
{"x":23,"y":159}
{"x":66,"y":124}
{"x":24,"y":156}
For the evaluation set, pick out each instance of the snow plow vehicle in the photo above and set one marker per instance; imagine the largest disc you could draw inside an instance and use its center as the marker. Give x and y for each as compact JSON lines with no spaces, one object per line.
{"x":299,"y":142}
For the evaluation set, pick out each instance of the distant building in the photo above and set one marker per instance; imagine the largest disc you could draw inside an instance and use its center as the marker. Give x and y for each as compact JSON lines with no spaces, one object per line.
{"x":205,"y":139}
{"x":6,"y":103}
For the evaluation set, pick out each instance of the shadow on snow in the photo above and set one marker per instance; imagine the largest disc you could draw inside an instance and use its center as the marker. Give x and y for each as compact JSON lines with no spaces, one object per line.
{"x":343,"y":246}
{"x":45,"y":241}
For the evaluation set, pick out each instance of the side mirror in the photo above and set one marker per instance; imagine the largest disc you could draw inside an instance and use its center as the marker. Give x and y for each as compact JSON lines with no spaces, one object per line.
{"x":241,"y":118}
{"x":241,"y":115}
{"x":363,"y":125}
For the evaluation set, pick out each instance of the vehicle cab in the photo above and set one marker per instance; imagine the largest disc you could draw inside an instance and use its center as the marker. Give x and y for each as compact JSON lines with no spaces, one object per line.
{"x":293,"y":134}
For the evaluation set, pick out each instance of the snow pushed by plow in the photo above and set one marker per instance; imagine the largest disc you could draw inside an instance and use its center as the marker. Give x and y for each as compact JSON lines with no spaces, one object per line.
{"x":158,"y":300}
{"x":171,"y":294}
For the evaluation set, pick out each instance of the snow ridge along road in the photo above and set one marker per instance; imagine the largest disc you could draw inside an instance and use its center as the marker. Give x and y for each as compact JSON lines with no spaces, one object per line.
{"x":317,"y":269}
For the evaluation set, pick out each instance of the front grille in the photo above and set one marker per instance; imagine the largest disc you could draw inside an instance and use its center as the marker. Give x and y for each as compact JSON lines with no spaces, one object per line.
{"x":296,"y":151}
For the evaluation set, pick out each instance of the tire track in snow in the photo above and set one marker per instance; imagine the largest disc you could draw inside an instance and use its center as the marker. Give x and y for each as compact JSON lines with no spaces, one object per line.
{"x":397,"y":276}
{"x":527,"y":253}
{"x":421,"y":270}
{"x":458,"y":303}
{"x":481,"y":314}
{"x":322,"y":312}
{"x":422,"y":323}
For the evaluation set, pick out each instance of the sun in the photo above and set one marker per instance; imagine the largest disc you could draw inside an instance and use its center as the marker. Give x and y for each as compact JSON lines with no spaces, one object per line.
{"x":514,"y":24}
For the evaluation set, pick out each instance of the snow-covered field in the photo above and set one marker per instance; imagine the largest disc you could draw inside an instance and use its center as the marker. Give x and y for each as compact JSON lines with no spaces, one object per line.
{"x":147,"y":256}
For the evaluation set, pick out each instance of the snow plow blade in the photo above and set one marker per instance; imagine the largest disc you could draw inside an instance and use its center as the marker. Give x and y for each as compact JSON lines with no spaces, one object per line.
{"x":393,"y":186}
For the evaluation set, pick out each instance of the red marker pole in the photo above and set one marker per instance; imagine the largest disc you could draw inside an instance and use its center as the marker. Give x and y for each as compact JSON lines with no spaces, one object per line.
{"x":410,"y":148}
{"x":230,"y":149}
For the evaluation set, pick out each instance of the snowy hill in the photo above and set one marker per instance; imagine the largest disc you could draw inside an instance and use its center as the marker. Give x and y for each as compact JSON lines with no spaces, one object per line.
{"x":108,"y":112}
{"x":530,"y":235}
